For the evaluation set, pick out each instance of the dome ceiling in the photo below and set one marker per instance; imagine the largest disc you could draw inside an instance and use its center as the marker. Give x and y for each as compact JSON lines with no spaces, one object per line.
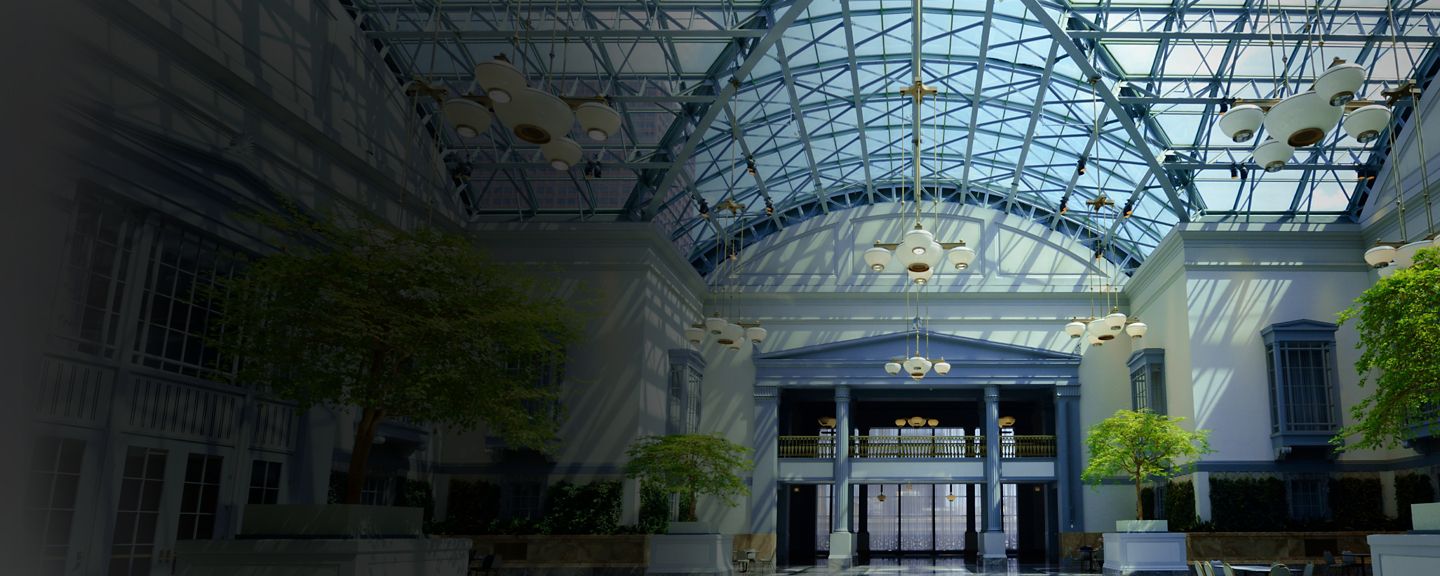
{"x":796,"y":105}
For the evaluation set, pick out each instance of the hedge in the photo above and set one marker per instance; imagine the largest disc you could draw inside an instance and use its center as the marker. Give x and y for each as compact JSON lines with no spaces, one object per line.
{"x":1248,"y":504}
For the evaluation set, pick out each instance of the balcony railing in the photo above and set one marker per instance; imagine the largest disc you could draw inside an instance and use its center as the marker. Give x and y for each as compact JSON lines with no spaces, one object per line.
{"x":807,"y":447}
{"x":1028,"y":446}
{"x":917,"y":446}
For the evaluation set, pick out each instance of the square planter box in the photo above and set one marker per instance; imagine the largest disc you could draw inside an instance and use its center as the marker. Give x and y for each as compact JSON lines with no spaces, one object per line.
{"x":1425,"y":517}
{"x":331,"y":521}
{"x":1142,"y":525}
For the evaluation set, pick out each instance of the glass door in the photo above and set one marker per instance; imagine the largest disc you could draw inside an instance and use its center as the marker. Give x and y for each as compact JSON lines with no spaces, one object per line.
{"x":138,"y":513}
{"x":167,"y":493}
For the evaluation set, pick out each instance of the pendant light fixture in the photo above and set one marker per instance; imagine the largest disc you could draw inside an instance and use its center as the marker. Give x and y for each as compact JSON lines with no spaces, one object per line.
{"x":918,"y":253}
{"x":732,"y":334}
{"x":1305,"y":118}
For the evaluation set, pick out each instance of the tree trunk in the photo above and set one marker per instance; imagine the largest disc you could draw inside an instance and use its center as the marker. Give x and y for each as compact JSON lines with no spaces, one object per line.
{"x":1139,"y":502}
{"x":694,"y":516}
{"x":360,"y":453}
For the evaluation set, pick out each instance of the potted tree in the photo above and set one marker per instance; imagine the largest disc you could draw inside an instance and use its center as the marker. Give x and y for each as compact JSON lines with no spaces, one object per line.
{"x":1396,"y":323}
{"x":392,"y":324}
{"x":1144,"y":446}
{"x":691,"y":466}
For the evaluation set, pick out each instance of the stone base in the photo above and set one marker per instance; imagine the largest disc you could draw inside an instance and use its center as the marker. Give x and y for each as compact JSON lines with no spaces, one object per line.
{"x":691,"y":554}
{"x":1404,"y":554}
{"x":1145,"y":553}
{"x":842,"y":551}
{"x":294,"y":557}
{"x":992,"y":552}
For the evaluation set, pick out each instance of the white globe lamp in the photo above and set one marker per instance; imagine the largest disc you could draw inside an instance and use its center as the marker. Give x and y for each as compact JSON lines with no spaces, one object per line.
{"x":1241,"y":122}
{"x":1302,"y":120}
{"x":1338,"y":84}
{"x":470,"y":118}
{"x":877,"y":258}
{"x":1271,"y":155}
{"x":1366,"y":122}
{"x":597,"y":120}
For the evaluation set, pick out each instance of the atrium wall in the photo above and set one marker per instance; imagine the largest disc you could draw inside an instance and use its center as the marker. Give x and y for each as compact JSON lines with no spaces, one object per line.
{"x":180,"y":119}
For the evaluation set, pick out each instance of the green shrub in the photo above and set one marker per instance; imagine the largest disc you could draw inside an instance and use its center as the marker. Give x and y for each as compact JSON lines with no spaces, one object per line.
{"x":473,"y":507}
{"x":1411,"y":489}
{"x":592,"y":508}
{"x":1355,"y":504}
{"x":1180,"y":506}
{"x":1248,"y":504}
{"x":654,"y":509}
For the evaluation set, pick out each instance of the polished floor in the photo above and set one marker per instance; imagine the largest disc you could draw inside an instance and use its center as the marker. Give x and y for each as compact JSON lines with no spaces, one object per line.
{"x":939,"y":566}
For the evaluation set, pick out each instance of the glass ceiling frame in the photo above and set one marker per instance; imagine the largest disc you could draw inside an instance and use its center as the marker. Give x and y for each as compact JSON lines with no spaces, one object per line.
{"x":806,"y":91}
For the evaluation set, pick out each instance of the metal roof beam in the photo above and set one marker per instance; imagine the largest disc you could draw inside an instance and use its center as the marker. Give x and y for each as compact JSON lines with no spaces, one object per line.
{"x":855,"y":95}
{"x":757,"y":52}
{"x":1176,"y":204}
{"x":1035,"y":114}
{"x":979,"y":87}
{"x":802,"y":131}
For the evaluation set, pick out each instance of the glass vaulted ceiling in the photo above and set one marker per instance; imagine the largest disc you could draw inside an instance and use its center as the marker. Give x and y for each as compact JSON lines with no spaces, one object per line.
{"x":817,"y":109}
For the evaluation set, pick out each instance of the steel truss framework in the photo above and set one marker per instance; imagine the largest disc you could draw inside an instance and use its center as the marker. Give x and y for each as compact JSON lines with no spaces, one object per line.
{"x":806,"y":93}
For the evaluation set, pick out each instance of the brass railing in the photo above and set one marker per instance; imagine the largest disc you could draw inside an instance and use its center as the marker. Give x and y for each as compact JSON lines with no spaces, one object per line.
{"x":917,"y":446}
{"x":807,"y":447}
{"x":1028,"y":446}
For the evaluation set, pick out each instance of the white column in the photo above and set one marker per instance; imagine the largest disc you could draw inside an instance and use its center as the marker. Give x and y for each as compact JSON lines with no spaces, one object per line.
{"x":763,"y":499}
{"x":842,"y":541}
{"x":992,"y":540}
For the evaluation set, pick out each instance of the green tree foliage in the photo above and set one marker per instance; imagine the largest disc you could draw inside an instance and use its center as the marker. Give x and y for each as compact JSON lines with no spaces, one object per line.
{"x":399,"y":324}
{"x":1141,"y":445}
{"x":1248,"y":504}
{"x":691,"y":465}
{"x":1398,"y":321}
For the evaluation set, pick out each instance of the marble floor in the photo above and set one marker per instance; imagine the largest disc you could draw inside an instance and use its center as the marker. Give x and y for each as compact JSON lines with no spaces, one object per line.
{"x":938,"y":566}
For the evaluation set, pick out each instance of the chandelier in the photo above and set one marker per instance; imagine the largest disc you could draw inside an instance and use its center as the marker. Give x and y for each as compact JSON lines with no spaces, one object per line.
{"x":724,"y":301}
{"x":917,"y":422}
{"x":915,"y":364}
{"x":1305,"y":118}
{"x":1100,"y":329}
{"x":536,"y":115}
{"x":918,"y":252}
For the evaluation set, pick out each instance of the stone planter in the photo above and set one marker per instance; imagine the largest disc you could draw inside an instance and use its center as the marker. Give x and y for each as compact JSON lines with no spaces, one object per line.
{"x":1404,"y":554}
{"x":1425,"y":517}
{"x":696,"y":527}
{"x":1142,"y":526}
{"x":1145,"y":553}
{"x":326,"y":539}
{"x":331,"y":521}
{"x":691,"y":554}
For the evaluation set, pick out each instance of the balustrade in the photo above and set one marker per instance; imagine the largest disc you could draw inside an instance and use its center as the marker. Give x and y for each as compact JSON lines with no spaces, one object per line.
{"x":1026,"y":446}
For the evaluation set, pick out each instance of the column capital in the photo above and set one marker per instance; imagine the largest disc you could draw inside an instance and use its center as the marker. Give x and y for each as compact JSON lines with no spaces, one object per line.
{"x":842,"y":392}
{"x":992,"y":391}
{"x":1067,"y":391}
{"x":767,"y":392}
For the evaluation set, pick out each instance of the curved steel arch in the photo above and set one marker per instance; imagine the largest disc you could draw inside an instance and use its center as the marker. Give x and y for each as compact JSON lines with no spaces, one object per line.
{"x":1123,"y":254}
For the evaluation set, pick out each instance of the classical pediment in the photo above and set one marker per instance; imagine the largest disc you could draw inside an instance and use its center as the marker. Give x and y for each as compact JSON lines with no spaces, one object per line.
{"x":956,"y":349}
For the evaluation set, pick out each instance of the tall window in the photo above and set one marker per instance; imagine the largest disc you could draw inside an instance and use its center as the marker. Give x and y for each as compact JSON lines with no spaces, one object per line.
{"x":523,"y":499}
{"x":97,"y":259}
{"x":264,"y":482}
{"x":1147,"y":380}
{"x":50,"y":503}
{"x":687,"y":369}
{"x":1300,"y":365}
{"x":199,"y":497}
{"x":178,"y":306}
